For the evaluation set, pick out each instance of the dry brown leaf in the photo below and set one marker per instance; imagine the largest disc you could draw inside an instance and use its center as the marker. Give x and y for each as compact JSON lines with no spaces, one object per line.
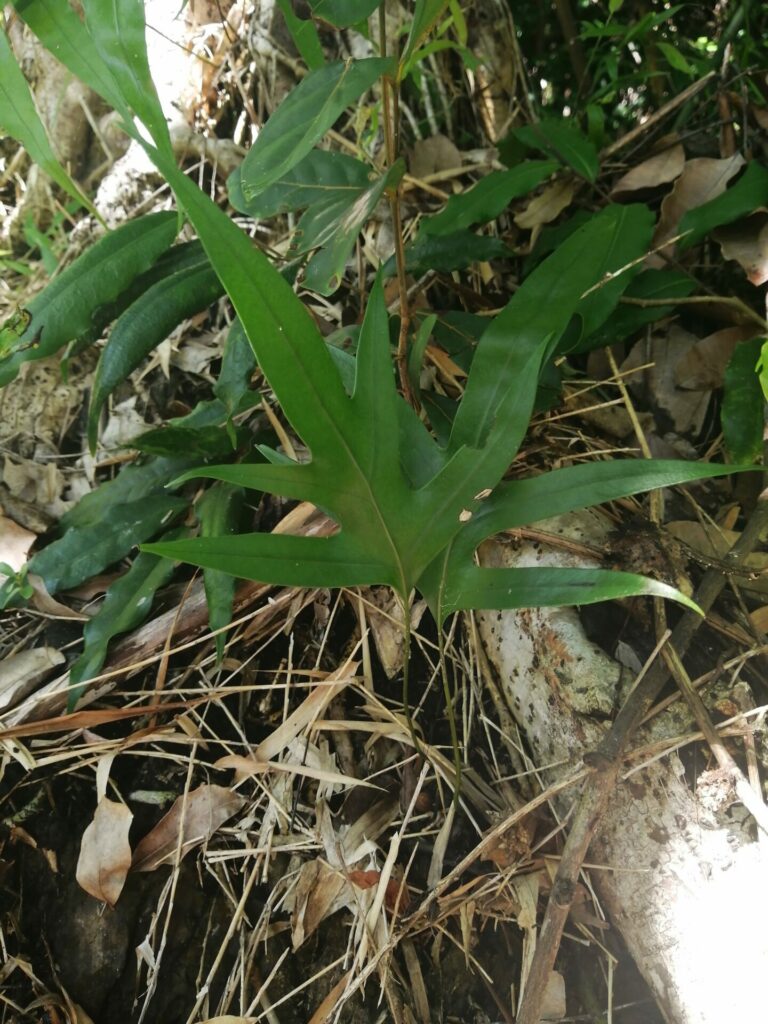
{"x":702,"y":367}
{"x":251,"y":766}
{"x":192,"y":820}
{"x":759,"y":618}
{"x":20,"y":674}
{"x":323,"y":1013}
{"x":714,"y":541}
{"x":553,"y":1003}
{"x":702,"y":179}
{"x":747,"y":243}
{"x":545,"y":207}
{"x":656,"y":170}
{"x":105,"y":853}
{"x":320,"y":892}
{"x":428,"y":156}
{"x":385,"y":615}
{"x":229,"y":1019}
{"x":15,"y":543}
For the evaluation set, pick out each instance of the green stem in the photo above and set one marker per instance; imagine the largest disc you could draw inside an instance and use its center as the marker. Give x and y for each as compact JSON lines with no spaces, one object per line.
{"x":451,"y":714}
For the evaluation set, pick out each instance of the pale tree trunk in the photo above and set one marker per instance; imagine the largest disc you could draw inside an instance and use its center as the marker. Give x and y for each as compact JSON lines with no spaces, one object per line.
{"x":684,"y":884}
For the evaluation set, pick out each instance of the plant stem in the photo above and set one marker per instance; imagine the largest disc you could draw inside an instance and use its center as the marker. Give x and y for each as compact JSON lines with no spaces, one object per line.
{"x":390,"y":108}
{"x":451,"y":714}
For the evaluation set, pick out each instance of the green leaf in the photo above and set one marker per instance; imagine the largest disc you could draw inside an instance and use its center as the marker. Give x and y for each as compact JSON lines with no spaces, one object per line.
{"x":304,"y":117}
{"x":320,"y":177}
{"x":304,"y":34}
{"x":418,"y":348}
{"x":19,"y":119}
{"x":425,"y":16}
{"x":343,"y":13}
{"x":133,"y":483}
{"x":220,"y":511}
{"x":543,"y":586}
{"x":118,"y":30}
{"x":560,"y":139}
{"x":627,"y":320}
{"x":675,"y":59}
{"x":203,"y":442}
{"x":85,"y":551}
{"x":762,"y":369}
{"x":72,"y":307}
{"x":325,"y":269}
{"x":145,"y":324}
{"x":488,"y":198}
{"x":750,"y":193}
{"x":743,"y":412}
{"x":126,"y":605}
{"x":234,"y":380}
{"x":449,"y":252}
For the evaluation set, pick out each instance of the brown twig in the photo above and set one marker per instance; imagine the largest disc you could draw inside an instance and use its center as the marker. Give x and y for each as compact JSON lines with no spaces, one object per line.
{"x":606,"y":765}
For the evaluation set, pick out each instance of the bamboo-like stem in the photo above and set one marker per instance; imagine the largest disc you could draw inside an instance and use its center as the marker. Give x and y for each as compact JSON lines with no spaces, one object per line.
{"x":390,"y":110}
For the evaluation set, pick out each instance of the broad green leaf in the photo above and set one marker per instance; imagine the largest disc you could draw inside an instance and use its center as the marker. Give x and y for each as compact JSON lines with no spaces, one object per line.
{"x":343,"y":13}
{"x":449,"y":252}
{"x":72,"y":307}
{"x":203,"y":442}
{"x":326,"y":268}
{"x":19,"y":119}
{"x":511,"y":350}
{"x":126,"y":605}
{"x":627,"y":320}
{"x":118,"y":30}
{"x":559,"y":138}
{"x":145,"y":324}
{"x":304,"y":117}
{"x":425,"y":16}
{"x":488,"y":198}
{"x":750,"y":193}
{"x":675,"y":59}
{"x":743,"y":412}
{"x":85,"y":551}
{"x":133,"y":483}
{"x":542,"y":587}
{"x":304,"y":35}
{"x":320,"y":177}
{"x":220,"y":511}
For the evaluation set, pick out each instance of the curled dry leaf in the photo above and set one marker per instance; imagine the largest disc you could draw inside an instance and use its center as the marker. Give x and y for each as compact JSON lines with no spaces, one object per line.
{"x":192,"y":820}
{"x":15,"y":543}
{"x":546,"y":207}
{"x":105,"y":854}
{"x":657,"y":170}
{"x":747,"y":243}
{"x":20,"y":674}
{"x":702,"y":179}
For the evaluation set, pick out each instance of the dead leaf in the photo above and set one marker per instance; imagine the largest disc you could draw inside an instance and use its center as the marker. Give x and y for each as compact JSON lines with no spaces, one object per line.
{"x":656,"y":170}
{"x":428,"y":156}
{"x":714,"y":541}
{"x":553,"y":1003}
{"x":549,"y":204}
{"x":20,"y":674}
{"x":192,"y":820}
{"x":229,"y":1019}
{"x":747,"y":243}
{"x":702,"y":367}
{"x":385,"y":615}
{"x":323,"y":1013}
{"x":759,"y":618}
{"x":320,"y":892}
{"x":105,"y":854}
{"x":15,"y":543}
{"x":250,"y":766}
{"x":702,"y":179}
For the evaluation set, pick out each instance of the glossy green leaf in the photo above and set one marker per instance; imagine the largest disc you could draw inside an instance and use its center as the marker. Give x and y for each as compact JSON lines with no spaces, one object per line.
{"x":19,"y":119}
{"x":326,"y":268}
{"x":449,"y":252}
{"x":133,"y":483}
{"x":303,"y":118}
{"x":220,"y":511}
{"x":343,"y":13}
{"x":748,"y":194}
{"x":85,"y":551}
{"x":542,"y":586}
{"x":304,"y":34}
{"x":126,"y":605}
{"x":743,"y":412}
{"x":320,"y":177}
{"x":488,"y":198}
{"x":562,"y":140}
{"x":118,"y":31}
{"x":145,"y":324}
{"x":72,"y":307}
